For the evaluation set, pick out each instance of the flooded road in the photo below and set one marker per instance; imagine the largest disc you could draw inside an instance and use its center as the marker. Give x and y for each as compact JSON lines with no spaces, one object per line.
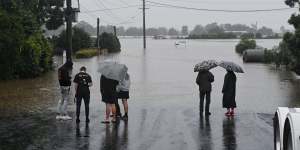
{"x":163,"y":104}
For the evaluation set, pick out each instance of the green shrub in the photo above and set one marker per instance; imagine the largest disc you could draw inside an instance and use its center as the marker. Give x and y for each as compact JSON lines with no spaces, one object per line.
{"x":80,"y":40}
{"x":110,"y":42}
{"x":86,"y":53}
{"x":245,"y":44}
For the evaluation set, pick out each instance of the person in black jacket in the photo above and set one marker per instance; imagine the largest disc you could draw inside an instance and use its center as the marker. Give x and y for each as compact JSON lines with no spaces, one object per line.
{"x":64,"y":78}
{"x":109,"y":96}
{"x":82,"y":82}
{"x":204,"y":80}
{"x":228,"y":91}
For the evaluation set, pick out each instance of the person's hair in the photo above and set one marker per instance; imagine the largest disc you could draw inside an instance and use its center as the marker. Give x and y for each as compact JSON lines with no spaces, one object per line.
{"x":83,"y":68}
{"x":69,"y":64}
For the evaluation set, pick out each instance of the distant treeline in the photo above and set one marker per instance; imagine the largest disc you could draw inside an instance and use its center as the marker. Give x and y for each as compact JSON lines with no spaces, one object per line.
{"x":208,"y":31}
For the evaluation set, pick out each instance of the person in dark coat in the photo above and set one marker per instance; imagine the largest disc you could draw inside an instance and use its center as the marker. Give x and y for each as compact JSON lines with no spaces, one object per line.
{"x":204,"y":80}
{"x":109,"y":96}
{"x":228,"y":91}
{"x":82,"y":82}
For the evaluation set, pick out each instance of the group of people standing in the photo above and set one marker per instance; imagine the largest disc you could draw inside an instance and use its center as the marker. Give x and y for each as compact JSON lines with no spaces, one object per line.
{"x":204,"y":80}
{"x":111,"y":91}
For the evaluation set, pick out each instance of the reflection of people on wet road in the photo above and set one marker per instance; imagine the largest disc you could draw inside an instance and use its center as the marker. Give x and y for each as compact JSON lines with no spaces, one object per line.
{"x":205,"y":142}
{"x":204,"y":80}
{"x":229,"y":140}
{"x":64,"y":78}
{"x":116,"y":137}
{"x":229,"y":93}
{"x":109,"y":96}
{"x":82,"y":82}
{"x":123,"y":93}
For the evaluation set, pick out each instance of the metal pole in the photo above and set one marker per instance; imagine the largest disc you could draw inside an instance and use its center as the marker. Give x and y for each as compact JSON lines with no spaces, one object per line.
{"x":115,"y":30}
{"x":69,"y":30}
{"x":98,"y":21}
{"x":144,"y":25}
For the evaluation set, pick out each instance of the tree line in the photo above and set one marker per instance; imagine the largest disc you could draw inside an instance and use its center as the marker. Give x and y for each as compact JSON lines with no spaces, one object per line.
{"x":211,"y":30}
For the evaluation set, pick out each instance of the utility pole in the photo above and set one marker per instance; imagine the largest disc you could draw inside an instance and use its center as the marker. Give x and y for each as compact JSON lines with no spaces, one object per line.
{"x":144,"y":25}
{"x":69,"y":13}
{"x":98,"y":46}
{"x":115,"y":30}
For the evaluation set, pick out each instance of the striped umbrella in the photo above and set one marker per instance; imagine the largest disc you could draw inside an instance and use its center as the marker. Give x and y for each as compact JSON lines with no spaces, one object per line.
{"x":205,"y":65}
{"x":228,"y":65}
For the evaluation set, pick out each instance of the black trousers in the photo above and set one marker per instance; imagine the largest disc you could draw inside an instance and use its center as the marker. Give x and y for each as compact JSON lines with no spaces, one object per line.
{"x":86,"y":99}
{"x":207,"y":103}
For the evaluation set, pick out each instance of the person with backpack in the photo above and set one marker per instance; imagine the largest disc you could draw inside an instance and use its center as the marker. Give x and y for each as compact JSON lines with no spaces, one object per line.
{"x":82,"y":82}
{"x":64,"y":78}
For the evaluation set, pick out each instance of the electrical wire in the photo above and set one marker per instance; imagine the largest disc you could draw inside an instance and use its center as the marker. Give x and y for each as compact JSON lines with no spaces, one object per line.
{"x":116,"y":8}
{"x":157,"y":4}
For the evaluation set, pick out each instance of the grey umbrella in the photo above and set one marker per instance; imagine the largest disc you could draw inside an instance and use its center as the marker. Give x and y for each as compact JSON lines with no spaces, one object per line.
{"x":228,"y":65}
{"x":205,"y":65}
{"x":113,"y":70}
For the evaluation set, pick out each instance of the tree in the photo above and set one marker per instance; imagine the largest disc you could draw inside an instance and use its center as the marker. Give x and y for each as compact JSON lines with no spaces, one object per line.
{"x":265,"y":31}
{"x":162,"y":31}
{"x":292,"y":39}
{"x":213,"y":28}
{"x":172,"y":32}
{"x":133,"y":31}
{"x":80,"y":40}
{"x":110,"y":42}
{"x":25,"y":52}
{"x":184,"y":30}
{"x":198,"y":30}
{"x":152,"y":31}
{"x":245,"y":44}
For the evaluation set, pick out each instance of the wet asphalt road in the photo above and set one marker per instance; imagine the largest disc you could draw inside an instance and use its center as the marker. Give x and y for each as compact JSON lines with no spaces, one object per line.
{"x":163,"y":108}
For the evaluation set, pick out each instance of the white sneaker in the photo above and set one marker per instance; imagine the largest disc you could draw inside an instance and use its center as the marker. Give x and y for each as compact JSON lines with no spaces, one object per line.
{"x":66,"y":117}
{"x":58,"y":117}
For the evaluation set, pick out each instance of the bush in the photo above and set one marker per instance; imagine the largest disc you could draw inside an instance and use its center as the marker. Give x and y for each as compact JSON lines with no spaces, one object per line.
{"x":25,"y":53}
{"x":86,"y":53}
{"x":110,"y":42}
{"x":80,"y":40}
{"x":245,"y":44}
{"x":34,"y":58}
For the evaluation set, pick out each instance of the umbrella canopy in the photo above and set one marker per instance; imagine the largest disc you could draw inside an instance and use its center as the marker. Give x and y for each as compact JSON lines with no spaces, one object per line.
{"x":231,"y":66}
{"x":113,"y":70}
{"x":205,"y":65}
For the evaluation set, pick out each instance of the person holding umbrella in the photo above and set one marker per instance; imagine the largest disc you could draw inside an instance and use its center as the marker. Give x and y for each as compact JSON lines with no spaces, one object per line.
{"x":123,"y":93}
{"x":111,"y":74}
{"x":109,"y":96}
{"x":229,"y":87}
{"x":204,"y":80}
{"x":228,"y":91}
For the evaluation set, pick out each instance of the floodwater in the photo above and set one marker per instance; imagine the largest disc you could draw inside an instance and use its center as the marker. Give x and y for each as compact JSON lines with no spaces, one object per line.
{"x":163,"y":103}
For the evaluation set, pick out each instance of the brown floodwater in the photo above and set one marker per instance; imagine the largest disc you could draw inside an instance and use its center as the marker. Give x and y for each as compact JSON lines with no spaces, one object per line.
{"x":163,"y":101}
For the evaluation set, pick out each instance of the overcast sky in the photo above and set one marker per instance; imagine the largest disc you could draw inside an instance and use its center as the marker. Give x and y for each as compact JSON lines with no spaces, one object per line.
{"x":174,"y":17}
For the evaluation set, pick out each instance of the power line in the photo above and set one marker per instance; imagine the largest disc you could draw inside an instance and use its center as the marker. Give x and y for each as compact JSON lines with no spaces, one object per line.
{"x":157,"y":4}
{"x":130,"y":18}
{"x":112,"y":14}
{"x":215,"y":3}
{"x":92,"y":16}
{"x":116,"y":8}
